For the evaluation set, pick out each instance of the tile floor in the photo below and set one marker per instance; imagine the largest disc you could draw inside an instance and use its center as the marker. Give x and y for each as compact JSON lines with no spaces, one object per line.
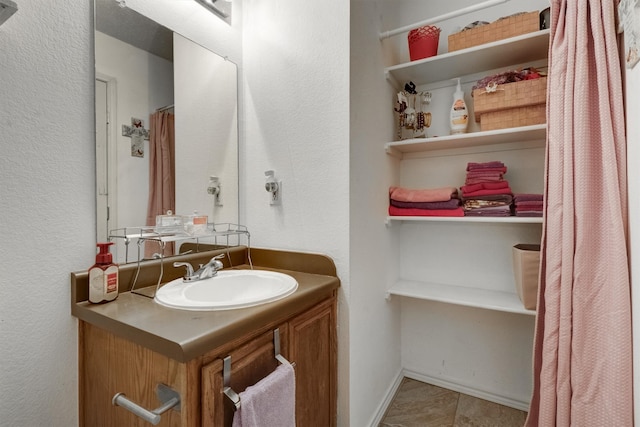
{"x":417,"y":404}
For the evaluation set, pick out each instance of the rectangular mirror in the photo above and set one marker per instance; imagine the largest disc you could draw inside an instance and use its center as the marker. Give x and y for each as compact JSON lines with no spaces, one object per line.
{"x":147,"y":75}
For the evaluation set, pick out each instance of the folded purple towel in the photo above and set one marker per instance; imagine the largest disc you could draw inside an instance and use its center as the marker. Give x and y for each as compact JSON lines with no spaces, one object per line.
{"x":530,"y":213}
{"x":485,"y":165}
{"x":270,"y":402}
{"x":450,"y":204}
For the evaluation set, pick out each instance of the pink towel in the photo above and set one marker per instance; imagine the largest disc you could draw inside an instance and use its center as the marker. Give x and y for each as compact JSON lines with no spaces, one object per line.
{"x":270,"y":402}
{"x":427,"y":195}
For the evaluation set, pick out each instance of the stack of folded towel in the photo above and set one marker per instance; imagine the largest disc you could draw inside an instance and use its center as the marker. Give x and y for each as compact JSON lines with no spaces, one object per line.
{"x":528,"y":204}
{"x":424,"y":202}
{"x":486,"y":192}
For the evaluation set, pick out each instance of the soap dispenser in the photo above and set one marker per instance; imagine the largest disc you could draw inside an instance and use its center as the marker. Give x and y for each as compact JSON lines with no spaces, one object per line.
{"x":459,"y":116}
{"x":103,"y":276}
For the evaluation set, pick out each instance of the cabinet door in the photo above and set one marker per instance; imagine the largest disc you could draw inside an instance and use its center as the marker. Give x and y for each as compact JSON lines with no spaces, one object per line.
{"x":313,"y":346}
{"x":250,"y":362}
{"x":110,"y":365}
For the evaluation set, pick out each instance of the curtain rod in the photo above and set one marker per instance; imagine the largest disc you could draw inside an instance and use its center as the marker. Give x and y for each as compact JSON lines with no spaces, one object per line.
{"x":455,"y":13}
{"x":166,"y":107}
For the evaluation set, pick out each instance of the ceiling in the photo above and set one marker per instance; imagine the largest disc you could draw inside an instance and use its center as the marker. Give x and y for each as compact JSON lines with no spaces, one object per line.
{"x":130,"y":27}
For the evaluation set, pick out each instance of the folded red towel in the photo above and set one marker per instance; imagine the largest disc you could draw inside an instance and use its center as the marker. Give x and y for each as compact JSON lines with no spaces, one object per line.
{"x":484,"y":186}
{"x":394,"y":211}
{"x":425,"y":195}
{"x":533,"y":204}
{"x":471,"y":181}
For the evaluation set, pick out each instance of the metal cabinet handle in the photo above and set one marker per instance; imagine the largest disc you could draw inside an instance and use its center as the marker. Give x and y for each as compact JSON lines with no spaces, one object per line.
{"x":169,"y":398}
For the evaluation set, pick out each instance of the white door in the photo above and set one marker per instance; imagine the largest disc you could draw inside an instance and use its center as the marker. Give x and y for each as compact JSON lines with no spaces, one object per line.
{"x":105,"y":161}
{"x":102,"y":177}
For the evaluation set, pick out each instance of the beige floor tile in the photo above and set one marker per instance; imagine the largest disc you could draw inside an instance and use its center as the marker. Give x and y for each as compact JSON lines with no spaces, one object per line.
{"x":473,"y":412}
{"x":417,"y":404}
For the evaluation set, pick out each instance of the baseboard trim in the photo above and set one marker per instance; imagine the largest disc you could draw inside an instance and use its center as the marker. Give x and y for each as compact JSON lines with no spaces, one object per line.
{"x":462,"y":388}
{"x":391,"y":392}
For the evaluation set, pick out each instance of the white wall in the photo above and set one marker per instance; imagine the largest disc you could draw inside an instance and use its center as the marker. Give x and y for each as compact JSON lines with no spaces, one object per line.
{"x":633,"y":174}
{"x":206,"y":106}
{"x":374,"y":345}
{"x":47,"y":199}
{"x":296,"y":98}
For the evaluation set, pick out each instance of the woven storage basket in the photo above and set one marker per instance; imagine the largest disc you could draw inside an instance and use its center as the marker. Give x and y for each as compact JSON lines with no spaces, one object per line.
{"x":504,"y":28}
{"x":511,"y":105}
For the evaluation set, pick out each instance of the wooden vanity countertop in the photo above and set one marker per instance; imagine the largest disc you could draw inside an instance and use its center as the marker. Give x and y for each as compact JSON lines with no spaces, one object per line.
{"x":183,"y":334}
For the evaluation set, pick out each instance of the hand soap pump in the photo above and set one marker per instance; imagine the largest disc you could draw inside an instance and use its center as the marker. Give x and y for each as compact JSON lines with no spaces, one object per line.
{"x":103,"y":276}
{"x":459,"y":117}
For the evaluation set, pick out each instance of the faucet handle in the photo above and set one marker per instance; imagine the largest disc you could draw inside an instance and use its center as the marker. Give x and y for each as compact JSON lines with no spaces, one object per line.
{"x":216,"y":263}
{"x":189,"y":268}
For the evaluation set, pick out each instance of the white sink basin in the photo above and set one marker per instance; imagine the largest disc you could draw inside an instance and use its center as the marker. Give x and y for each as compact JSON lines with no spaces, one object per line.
{"x":227,"y":290}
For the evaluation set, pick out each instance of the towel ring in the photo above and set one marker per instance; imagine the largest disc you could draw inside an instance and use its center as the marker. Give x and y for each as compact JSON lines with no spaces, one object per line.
{"x":226,"y":369}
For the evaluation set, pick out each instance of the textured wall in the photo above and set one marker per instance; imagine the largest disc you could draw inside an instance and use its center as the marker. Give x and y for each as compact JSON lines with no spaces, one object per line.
{"x":296,"y":99}
{"x":633,"y":172}
{"x":47,"y":204}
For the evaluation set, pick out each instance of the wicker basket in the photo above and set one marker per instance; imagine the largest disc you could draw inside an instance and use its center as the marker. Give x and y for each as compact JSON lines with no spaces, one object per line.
{"x":511,"y":105}
{"x":504,"y":28}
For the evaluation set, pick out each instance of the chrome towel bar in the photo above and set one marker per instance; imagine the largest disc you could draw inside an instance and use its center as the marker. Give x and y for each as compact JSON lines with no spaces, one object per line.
{"x":226,"y":369}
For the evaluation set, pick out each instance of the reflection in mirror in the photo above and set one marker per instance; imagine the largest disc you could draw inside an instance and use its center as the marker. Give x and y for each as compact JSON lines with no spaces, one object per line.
{"x":147,"y":75}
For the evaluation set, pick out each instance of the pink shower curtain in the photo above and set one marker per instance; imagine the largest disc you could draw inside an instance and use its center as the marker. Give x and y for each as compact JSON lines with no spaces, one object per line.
{"x":161,"y":174}
{"x":582,"y":353}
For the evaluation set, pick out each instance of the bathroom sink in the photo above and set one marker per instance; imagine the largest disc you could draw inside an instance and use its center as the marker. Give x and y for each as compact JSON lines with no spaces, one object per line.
{"x":227,"y":290}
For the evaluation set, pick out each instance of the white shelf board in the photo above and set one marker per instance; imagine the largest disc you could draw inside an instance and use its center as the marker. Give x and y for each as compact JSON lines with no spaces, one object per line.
{"x":460,"y":295}
{"x":466,"y":140}
{"x":506,"y":219}
{"x":503,"y":53}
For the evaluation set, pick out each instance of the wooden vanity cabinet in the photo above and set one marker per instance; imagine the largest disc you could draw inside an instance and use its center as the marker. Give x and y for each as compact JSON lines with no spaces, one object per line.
{"x":110,"y":364}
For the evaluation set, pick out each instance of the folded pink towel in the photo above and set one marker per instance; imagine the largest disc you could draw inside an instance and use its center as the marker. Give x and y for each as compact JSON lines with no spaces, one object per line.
{"x":426,"y":195}
{"x":270,"y":402}
{"x":394,"y":211}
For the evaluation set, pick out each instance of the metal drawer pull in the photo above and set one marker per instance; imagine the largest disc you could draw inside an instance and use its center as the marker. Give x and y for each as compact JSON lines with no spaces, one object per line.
{"x":169,"y":398}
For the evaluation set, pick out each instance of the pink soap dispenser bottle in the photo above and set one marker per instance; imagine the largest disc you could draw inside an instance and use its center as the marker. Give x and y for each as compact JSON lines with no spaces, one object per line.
{"x":103,"y":276}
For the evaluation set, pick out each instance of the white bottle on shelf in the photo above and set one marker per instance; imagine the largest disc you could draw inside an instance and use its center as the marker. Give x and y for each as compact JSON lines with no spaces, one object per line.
{"x":459,"y":116}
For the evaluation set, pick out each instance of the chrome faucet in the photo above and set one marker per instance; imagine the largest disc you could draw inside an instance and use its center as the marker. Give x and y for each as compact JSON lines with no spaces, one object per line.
{"x":205,"y":271}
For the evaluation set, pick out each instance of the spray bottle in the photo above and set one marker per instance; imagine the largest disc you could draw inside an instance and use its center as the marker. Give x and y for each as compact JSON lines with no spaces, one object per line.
{"x":459,"y":116}
{"x":103,"y":276}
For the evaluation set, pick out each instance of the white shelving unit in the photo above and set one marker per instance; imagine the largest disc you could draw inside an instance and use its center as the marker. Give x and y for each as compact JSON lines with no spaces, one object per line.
{"x":525,"y":48}
{"x":467,"y":140}
{"x":496,"y":220}
{"x":460,"y":295}
{"x":503,"y":53}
